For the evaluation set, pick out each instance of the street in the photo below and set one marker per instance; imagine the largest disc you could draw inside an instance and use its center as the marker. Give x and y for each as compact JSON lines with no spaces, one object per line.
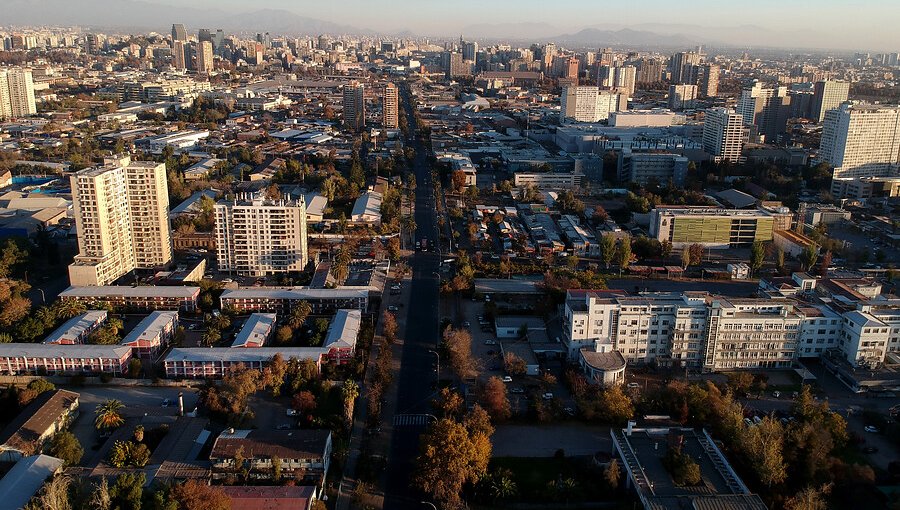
{"x":414,"y":393}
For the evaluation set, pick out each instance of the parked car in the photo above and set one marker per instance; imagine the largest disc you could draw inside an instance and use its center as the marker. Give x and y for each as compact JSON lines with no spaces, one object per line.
{"x":490,"y":342}
{"x":547,"y":396}
{"x":507,"y":379}
{"x":871,"y":428}
{"x":517,"y":391}
{"x":291,"y":412}
{"x":776,"y":394}
{"x":392,"y":308}
{"x":166,"y":403}
{"x":284,"y":426}
{"x":633,"y":385}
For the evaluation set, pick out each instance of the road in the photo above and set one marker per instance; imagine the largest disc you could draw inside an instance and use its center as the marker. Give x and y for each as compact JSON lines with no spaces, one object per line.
{"x":414,"y":396}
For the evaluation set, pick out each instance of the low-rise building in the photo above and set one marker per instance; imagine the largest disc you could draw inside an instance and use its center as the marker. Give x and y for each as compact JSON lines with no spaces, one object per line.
{"x":340,"y":341}
{"x":26,"y":478}
{"x":51,"y":412}
{"x":77,"y":329}
{"x":136,"y":298}
{"x":305,"y":454}
{"x":256,"y":330}
{"x":282,"y":299}
{"x":151,"y":335}
{"x":713,"y":227}
{"x":213,"y":362}
{"x":602,"y":368}
{"x":267,"y":497}
{"x":23,"y":359}
{"x":367,"y":208}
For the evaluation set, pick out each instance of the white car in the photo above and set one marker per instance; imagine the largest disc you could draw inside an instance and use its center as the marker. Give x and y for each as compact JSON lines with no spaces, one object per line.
{"x":547,"y":396}
{"x":871,"y":428}
{"x":507,"y":379}
{"x":392,"y":308}
{"x":633,"y":385}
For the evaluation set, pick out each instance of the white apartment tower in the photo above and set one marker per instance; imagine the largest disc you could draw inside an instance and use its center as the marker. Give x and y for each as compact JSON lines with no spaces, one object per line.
{"x":121,"y":216}
{"x":256,"y":237}
{"x":587,"y":104}
{"x":390,"y":107}
{"x":828,"y":95}
{"x":16,"y":93}
{"x":861,"y":140}
{"x":204,"y":57}
{"x":179,"y":60}
{"x":723,"y":134}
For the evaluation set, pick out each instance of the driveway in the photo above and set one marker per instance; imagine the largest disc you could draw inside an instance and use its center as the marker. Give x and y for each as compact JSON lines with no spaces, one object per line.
{"x":545,"y":440}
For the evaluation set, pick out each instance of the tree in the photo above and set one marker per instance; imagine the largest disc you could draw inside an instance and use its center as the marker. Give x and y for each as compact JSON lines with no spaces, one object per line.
{"x":495,"y":400}
{"x":128,"y":491}
{"x":763,"y":444}
{"x":195,"y":495}
{"x":450,"y":457}
{"x":41,"y":386}
{"x":65,"y":446}
{"x":304,"y":402}
{"x":825,"y":264}
{"x":458,"y":344}
{"x":685,"y":258}
{"x":299,"y":313}
{"x":757,"y":256}
{"x":229,"y":399}
{"x":809,"y":256}
{"x":276,"y":468}
{"x":389,"y":326}
{"x":284,"y":335}
{"x":696,"y":252}
{"x":100,"y":498}
{"x":810,"y":498}
{"x":623,"y":255}
{"x":349,"y":392}
{"x":448,"y":404}
{"x":55,"y":494}
{"x":779,"y":258}
{"x":513,"y":364}
{"x":612,"y":474}
{"x":109,"y":415}
{"x":502,"y":486}
{"x":607,"y":249}
{"x":682,"y":467}
{"x":139,"y":434}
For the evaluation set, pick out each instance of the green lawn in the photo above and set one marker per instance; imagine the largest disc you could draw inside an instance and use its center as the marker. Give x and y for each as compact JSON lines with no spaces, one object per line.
{"x":533,"y":474}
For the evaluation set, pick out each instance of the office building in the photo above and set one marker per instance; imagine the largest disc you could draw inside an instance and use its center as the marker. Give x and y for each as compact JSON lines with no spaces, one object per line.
{"x":659,"y":167}
{"x":469,"y":50}
{"x":390,"y":107}
{"x":682,"y":68}
{"x":179,"y":56}
{"x":682,"y":97}
{"x":455,"y":65}
{"x":587,"y":104}
{"x":355,"y":106}
{"x":828,"y":95}
{"x":708,"y":83}
{"x":723,"y":134}
{"x":16,"y":93}
{"x":121,"y":216}
{"x":179,"y":33}
{"x":649,"y":70}
{"x":767,"y":109}
{"x":256,"y":236}
{"x":713,"y":227}
{"x":861,"y":140}
{"x":204,"y":57}
{"x":572,"y":68}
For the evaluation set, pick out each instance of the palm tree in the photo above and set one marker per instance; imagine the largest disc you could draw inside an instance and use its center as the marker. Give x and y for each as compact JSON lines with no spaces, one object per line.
{"x":109,"y":415}
{"x":139,"y":433}
{"x":67,"y":308}
{"x":114,"y":324}
{"x":299,"y":314}
{"x":502,"y":486}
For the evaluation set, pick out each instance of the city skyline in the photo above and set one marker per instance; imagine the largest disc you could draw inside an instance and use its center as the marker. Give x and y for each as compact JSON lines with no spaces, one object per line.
{"x":769,"y":24}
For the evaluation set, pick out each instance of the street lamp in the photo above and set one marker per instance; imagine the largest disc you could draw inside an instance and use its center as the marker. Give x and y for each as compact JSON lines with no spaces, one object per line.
{"x":438,"y":356}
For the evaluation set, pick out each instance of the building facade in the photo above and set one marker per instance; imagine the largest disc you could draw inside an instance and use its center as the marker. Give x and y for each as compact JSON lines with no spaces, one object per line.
{"x":390,"y":107}
{"x":355,"y":106}
{"x":16,"y":93}
{"x":723,"y":134}
{"x":256,"y":236}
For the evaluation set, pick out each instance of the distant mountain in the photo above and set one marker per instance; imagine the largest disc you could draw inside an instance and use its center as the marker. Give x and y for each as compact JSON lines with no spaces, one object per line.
{"x":530,"y":31}
{"x":624,"y":37}
{"x":140,"y":13}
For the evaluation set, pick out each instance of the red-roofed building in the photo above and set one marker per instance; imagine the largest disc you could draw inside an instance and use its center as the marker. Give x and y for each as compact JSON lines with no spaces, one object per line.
{"x":270,"y":498}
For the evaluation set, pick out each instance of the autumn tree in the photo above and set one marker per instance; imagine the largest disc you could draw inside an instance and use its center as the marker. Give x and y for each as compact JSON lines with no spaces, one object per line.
{"x":196,"y":495}
{"x":513,"y":364}
{"x":458,"y":345}
{"x":229,"y":399}
{"x":757,"y":256}
{"x":763,"y":444}
{"x":495,"y":399}
{"x":607,"y":249}
{"x":304,"y":402}
{"x":448,"y":404}
{"x":389,"y":326}
{"x":696,"y":252}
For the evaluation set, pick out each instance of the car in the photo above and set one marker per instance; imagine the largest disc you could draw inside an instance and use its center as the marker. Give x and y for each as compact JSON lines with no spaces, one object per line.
{"x":872,"y":429}
{"x":466,"y":324}
{"x":490,"y":342}
{"x":291,"y":412}
{"x":795,"y":394}
{"x":569,"y":411}
{"x":192,"y":326}
{"x":507,"y":379}
{"x":227,"y":280}
{"x":517,"y":391}
{"x":547,"y":396}
{"x":392,"y":308}
{"x":284,"y":426}
{"x":870,"y":449}
{"x":633,"y":385}
{"x":167,"y":402}
{"x":776,"y":394}
{"x":747,"y":422}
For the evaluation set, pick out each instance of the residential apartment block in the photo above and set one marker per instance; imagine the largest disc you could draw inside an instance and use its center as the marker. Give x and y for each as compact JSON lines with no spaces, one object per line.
{"x":121,"y":216}
{"x":257,"y":236}
{"x":16,"y":93}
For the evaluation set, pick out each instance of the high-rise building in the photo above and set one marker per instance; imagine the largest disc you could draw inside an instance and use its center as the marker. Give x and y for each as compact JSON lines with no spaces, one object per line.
{"x":454,"y":65}
{"x":708,"y":83}
{"x":256,"y":237}
{"x":16,"y":93}
{"x":179,"y":33}
{"x":204,"y":34}
{"x":861,"y":140}
{"x":607,"y":57}
{"x":680,"y":67}
{"x":723,"y":134}
{"x":682,"y":97}
{"x":179,"y":57}
{"x":624,"y":79}
{"x":827,"y":95}
{"x":765,"y":108}
{"x":355,"y":106}
{"x":587,"y":104}
{"x":92,"y":44}
{"x":649,"y":71}
{"x":390,"y":107}
{"x":121,"y":216}
{"x":469,"y":50}
{"x":204,"y":57}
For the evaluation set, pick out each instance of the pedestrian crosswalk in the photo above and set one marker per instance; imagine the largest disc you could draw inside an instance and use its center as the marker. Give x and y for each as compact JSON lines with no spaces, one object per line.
{"x":412,"y":420}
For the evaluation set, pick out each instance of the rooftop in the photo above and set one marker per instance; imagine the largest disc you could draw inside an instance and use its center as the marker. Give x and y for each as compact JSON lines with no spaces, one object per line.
{"x":72,"y":330}
{"x":256,"y":330}
{"x":611,"y":360}
{"x":23,"y":481}
{"x":35,"y":420}
{"x":126,"y":291}
{"x":287,"y":444}
{"x":269,"y":498}
{"x":150,"y":327}
{"x":344,"y":329}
